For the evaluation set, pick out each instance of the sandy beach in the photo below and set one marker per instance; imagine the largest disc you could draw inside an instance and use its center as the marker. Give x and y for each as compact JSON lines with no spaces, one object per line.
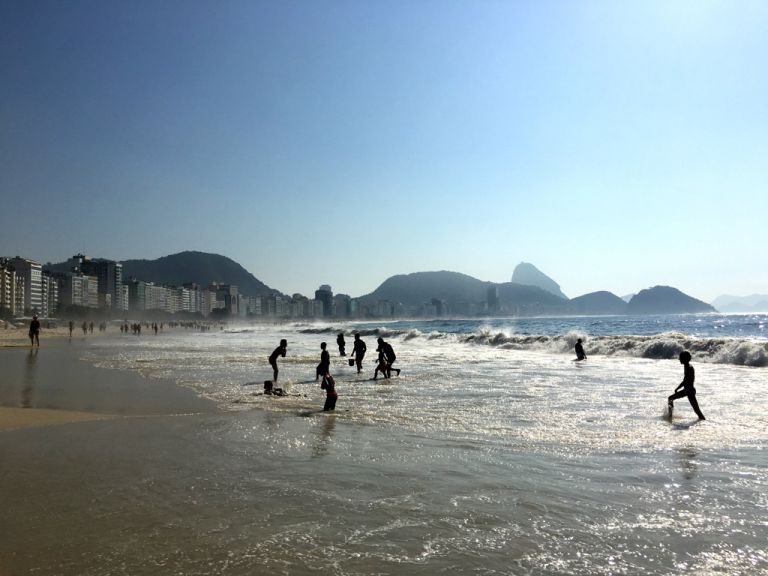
{"x":63,"y":426}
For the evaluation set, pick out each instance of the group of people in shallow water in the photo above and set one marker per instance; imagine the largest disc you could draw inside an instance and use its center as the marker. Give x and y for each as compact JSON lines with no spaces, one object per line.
{"x":683,"y":390}
{"x":386,"y":357}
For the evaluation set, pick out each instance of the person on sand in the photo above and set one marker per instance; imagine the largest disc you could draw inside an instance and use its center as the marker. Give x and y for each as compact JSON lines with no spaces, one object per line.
{"x":358,"y":351}
{"x":331,"y":396}
{"x":389,"y":352}
{"x":71,"y":328}
{"x":325,"y":362}
{"x":342,"y":344}
{"x":580,"y":354}
{"x":34,"y":331}
{"x":279,"y":351}
{"x":689,"y":376}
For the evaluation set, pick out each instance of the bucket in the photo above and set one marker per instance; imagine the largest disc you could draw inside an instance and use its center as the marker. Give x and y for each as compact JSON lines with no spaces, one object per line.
{"x":351,"y":361}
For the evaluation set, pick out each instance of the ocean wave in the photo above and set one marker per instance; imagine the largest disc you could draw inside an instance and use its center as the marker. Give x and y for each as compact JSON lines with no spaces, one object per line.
{"x":665,"y":346}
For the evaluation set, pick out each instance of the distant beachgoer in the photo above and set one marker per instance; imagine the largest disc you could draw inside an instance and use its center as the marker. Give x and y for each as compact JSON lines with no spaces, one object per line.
{"x":580,"y":354}
{"x":34,"y":331}
{"x":358,"y":351}
{"x":331,"y":395}
{"x":325,"y":362}
{"x":91,"y":327}
{"x":689,"y":376}
{"x":390,"y":354}
{"x":279,"y":351}
{"x":85,"y":328}
{"x":71,"y":328}
{"x":342,"y":344}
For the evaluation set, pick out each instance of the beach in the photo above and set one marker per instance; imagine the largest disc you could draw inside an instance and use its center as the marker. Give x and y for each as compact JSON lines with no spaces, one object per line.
{"x":159,"y":454}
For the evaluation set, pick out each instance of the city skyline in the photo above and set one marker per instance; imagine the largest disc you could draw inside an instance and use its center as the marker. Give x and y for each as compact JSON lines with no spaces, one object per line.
{"x":614,"y":146}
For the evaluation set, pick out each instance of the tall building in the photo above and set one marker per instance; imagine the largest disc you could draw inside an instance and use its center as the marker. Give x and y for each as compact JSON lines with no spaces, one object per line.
{"x":325,"y":295}
{"x":31,"y":273}
{"x":11,"y":289}
{"x":76,"y":289}
{"x":109,"y":274}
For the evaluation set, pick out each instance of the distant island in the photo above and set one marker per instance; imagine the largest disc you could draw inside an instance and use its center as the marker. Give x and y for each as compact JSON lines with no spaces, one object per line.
{"x":419,"y":294}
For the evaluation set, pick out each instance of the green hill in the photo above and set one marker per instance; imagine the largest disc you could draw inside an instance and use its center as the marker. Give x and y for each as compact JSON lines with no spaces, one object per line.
{"x":199,"y":267}
{"x":666,"y":300}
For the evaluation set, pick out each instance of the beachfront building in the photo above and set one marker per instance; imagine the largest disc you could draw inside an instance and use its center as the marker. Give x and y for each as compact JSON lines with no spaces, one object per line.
{"x":110,"y":278}
{"x":342,"y":306}
{"x":325,"y":295}
{"x":11,"y":289}
{"x":50,"y":295}
{"x":76,"y":289}
{"x":31,"y":273}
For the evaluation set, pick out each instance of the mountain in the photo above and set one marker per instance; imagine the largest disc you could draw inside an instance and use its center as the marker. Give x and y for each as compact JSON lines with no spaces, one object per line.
{"x":529,"y":275}
{"x":530,"y":297}
{"x":412,"y":290}
{"x":666,"y":300}
{"x":742,"y":304}
{"x":199,"y":267}
{"x":601,"y":302}
{"x":419,"y":287}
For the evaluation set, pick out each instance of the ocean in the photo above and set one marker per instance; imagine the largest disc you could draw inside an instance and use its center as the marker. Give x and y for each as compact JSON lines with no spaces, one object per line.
{"x":492,"y":453}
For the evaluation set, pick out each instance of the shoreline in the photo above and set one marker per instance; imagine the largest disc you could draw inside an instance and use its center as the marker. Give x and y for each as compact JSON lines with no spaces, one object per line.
{"x":51,"y":385}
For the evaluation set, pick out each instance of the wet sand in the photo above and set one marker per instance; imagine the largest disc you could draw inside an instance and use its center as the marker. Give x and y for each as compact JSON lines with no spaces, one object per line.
{"x":76,"y":440}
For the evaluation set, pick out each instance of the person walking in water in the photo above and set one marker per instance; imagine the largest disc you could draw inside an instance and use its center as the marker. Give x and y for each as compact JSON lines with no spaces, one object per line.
{"x":580,"y":354}
{"x":325,"y":362}
{"x":34,"y":331}
{"x":358,"y":351}
{"x":71,"y":328}
{"x":342,"y":344}
{"x":381,"y":366}
{"x":331,"y":395}
{"x":279,"y":351}
{"x":689,"y":376}
{"x":390,"y":355}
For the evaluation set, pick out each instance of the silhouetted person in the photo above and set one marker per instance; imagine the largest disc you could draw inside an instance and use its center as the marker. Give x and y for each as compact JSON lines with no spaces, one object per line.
{"x":325,"y":362}
{"x":331,"y":396}
{"x":358,"y":351}
{"x":381,"y":366}
{"x":342,"y":344}
{"x":90,"y":327}
{"x":689,"y":376}
{"x":390,"y":355}
{"x":85,"y":328}
{"x":71,"y":328}
{"x":34,"y":331}
{"x":279,"y":351}
{"x":580,"y":354}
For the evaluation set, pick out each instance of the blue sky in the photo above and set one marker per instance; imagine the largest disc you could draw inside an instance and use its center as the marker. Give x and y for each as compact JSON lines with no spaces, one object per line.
{"x":615,"y":145}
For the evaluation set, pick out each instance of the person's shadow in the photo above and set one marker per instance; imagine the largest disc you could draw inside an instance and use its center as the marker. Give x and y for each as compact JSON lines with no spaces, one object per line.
{"x":29,"y":379}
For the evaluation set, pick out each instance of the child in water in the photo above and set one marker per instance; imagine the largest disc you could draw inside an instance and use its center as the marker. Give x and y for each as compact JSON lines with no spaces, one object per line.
{"x":331,"y":396}
{"x":689,"y":376}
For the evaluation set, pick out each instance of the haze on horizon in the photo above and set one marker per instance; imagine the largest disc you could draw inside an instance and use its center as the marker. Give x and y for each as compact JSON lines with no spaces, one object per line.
{"x":615,"y":146}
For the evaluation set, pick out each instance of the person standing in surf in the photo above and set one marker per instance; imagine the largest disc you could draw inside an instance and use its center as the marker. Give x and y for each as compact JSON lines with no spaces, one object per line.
{"x":325,"y":362}
{"x":389,"y":352}
{"x":331,"y":395}
{"x":358,"y":351}
{"x":342,"y":344}
{"x":689,"y":376}
{"x":580,"y":354}
{"x":279,"y":351}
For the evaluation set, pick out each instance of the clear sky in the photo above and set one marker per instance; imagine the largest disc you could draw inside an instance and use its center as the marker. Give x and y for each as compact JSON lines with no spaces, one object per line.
{"x":615,"y":145}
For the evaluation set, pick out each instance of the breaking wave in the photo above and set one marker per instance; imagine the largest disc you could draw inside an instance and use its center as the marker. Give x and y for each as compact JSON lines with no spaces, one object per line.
{"x":740,"y":352}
